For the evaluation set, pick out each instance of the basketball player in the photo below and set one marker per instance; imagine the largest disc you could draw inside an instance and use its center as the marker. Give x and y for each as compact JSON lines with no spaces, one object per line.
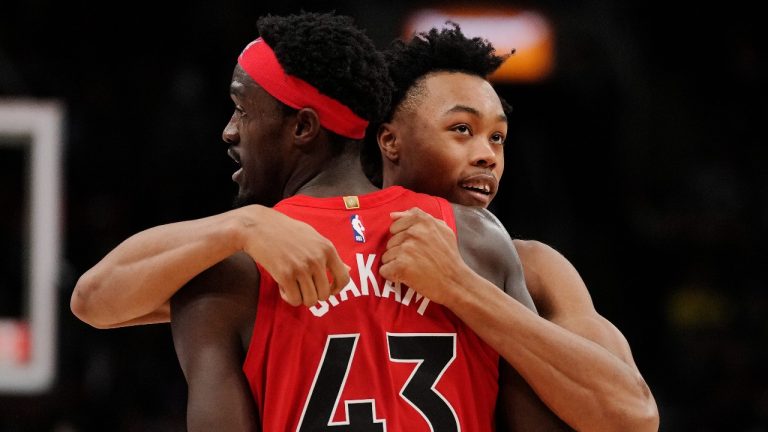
{"x":377,"y":356}
{"x":444,"y":117}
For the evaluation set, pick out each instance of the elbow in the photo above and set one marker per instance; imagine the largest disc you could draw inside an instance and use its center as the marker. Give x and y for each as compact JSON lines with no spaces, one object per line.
{"x":646,"y":416}
{"x":640,"y":415}
{"x":622,"y":419}
{"x":646,"y":412}
{"x":651,"y":422}
{"x":642,"y":419}
{"x":81,"y":303}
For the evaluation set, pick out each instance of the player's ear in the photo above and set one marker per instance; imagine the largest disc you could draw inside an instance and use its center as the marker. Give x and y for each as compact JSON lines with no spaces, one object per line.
{"x":307,"y":126}
{"x":386,"y":136}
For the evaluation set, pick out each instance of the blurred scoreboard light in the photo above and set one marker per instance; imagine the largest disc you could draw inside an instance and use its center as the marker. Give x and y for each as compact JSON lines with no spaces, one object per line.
{"x":30,"y":195}
{"x":529,"y":33}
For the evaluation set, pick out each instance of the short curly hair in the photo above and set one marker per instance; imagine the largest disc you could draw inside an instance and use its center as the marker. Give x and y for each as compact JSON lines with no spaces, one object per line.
{"x":331,"y":53}
{"x":438,"y":50}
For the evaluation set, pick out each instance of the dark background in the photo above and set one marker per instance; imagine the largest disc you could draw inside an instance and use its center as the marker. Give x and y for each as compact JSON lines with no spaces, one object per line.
{"x":642,"y":159}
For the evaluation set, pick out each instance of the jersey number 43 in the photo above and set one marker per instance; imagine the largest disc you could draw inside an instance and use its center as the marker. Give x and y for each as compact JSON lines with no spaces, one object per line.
{"x":432,"y":353}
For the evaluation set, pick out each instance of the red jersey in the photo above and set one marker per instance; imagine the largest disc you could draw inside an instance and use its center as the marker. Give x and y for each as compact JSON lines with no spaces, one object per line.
{"x":377,"y":356}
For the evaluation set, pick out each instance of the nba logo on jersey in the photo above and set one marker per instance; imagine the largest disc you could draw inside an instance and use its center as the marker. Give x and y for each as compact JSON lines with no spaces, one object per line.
{"x":357,"y":229}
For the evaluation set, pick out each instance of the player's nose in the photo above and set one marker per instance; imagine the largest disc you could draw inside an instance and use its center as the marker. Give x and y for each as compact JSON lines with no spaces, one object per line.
{"x":483,"y":153}
{"x":230,"y":134}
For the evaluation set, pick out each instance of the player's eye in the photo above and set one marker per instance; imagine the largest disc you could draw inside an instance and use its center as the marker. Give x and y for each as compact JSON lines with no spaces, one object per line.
{"x":462,"y":129}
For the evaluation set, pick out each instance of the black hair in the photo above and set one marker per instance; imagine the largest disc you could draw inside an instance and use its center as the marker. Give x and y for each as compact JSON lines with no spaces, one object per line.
{"x":438,"y":50}
{"x":331,"y":53}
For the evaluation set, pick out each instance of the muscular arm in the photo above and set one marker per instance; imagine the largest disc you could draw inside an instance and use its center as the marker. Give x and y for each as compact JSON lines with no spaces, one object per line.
{"x":494,"y":258}
{"x":563,"y":299}
{"x":133,"y":283}
{"x":212,"y":322}
{"x":586,"y":385}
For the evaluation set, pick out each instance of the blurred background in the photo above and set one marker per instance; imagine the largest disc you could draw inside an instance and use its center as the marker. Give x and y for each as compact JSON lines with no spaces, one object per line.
{"x":638,"y":150}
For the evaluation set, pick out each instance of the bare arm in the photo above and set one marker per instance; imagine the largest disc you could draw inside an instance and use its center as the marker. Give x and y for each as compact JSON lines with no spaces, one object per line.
{"x":134,"y":282}
{"x":518,"y":406}
{"x":563,"y":298}
{"x":212,"y":321}
{"x":586,"y":385}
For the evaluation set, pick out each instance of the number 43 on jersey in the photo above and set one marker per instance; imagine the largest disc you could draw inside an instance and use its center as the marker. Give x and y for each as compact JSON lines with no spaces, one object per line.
{"x":432,"y":353}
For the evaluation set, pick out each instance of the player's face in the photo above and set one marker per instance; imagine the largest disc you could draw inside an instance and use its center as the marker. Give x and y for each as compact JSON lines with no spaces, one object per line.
{"x":257,"y":134}
{"x":451,"y":144}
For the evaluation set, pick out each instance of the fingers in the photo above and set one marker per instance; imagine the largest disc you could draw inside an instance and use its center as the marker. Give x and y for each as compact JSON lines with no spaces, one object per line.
{"x":385,"y":270}
{"x":410,"y":212}
{"x":308,"y":288}
{"x":411,"y":218}
{"x":290,"y":292}
{"x":391,"y":271}
{"x":308,"y":291}
{"x":403,"y":220}
{"x":406,"y":228}
{"x":397,"y":264}
{"x":321,"y":284}
{"x":339,"y":271}
{"x":391,"y":254}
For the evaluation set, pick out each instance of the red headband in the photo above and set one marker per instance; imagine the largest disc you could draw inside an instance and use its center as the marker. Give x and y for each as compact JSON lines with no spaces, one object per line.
{"x":259,"y":62}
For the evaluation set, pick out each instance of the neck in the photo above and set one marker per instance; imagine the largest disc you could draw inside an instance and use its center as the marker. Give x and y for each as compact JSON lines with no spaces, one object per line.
{"x":388,"y":173}
{"x":335,"y":176}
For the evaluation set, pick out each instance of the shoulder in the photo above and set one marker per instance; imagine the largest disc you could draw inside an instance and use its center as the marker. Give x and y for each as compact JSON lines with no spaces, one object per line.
{"x":485,"y":244}
{"x":554,"y":283}
{"x":536,"y":255}
{"x":536,"y":249}
{"x":539,"y":259}
{"x":488,"y":249}
{"x":480,"y":226}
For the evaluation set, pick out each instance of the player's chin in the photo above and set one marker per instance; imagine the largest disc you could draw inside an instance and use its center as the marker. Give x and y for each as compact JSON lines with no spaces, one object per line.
{"x":246,"y":197}
{"x":242,"y":200}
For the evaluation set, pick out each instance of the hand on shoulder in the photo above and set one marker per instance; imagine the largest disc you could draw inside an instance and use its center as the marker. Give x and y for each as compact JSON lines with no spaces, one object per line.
{"x":293,"y":253}
{"x":422,"y":253}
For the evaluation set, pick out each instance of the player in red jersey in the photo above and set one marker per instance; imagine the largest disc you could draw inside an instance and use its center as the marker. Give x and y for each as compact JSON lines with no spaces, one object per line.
{"x":377,"y":355}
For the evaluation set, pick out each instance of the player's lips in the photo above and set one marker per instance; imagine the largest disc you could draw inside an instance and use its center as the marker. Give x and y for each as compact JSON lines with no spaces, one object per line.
{"x":235,"y":157}
{"x":481,"y":187}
